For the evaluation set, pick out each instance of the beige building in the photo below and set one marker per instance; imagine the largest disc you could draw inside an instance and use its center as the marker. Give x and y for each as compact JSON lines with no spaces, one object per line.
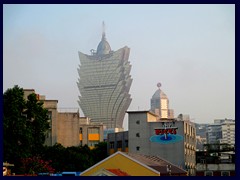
{"x":68,"y":128}
{"x":90,"y":133}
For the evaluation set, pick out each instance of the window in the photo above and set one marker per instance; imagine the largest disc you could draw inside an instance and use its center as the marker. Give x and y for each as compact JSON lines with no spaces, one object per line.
{"x":137,"y":135}
{"x":49,"y":115}
{"x":119,"y":144}
{"x":137,"y":148}
{"x":126,"y":143}
{"x":93,"y":130}
{"x":111,"y":145}
{"x":80,"y":130}
{"x":137,"y":122}
{"x":208,"y":173}
{"x":225,"y":173}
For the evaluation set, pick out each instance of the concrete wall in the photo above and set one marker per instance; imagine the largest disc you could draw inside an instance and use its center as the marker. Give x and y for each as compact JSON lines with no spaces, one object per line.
{"x":51,"y":106}
{"x":68,"y":129}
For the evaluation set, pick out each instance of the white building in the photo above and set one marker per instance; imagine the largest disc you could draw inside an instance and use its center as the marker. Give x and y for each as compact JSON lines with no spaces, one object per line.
{"x":222,"y":131}
{"x":228,"y":133}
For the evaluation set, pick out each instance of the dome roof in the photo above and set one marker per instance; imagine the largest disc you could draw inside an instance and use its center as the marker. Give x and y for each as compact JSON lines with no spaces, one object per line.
{"x":103,"y":47}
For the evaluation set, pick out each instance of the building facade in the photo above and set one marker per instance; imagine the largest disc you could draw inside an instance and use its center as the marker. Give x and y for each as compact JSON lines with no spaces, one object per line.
{"x":178,"y":148}
{"x":117,"y":142}
{"x":90,"y":133}
{"x":104,"y":84}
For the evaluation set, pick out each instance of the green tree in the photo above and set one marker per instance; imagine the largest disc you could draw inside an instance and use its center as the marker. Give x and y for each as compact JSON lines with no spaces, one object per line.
{"x":37,"y":122}
{"x":56,"y":154}
{"x":100,"y":152}
{"x":24,"y":125}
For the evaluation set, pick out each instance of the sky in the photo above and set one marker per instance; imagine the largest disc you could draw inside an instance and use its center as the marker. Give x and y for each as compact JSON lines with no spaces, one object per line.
{"x":189,"y":49}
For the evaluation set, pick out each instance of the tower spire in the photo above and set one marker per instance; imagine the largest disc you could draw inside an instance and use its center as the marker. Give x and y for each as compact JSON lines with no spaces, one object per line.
{"x":103,"y":31}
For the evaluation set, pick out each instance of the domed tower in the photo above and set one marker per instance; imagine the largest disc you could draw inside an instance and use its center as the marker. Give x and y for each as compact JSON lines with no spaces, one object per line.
{"x":103,"y":47}
{"x":104,"y":84}
{"x":160,"y":104}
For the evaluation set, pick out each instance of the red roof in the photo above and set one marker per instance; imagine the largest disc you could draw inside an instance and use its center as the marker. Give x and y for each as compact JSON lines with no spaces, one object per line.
{"x":118,"y":172}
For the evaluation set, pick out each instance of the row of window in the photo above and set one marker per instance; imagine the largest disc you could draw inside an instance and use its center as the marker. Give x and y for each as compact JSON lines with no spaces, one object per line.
{"x":119,"y":144}
{"x":90,"y":130}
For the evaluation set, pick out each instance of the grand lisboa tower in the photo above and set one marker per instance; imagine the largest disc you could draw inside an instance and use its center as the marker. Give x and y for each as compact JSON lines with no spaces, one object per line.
{"x":104,"y":84}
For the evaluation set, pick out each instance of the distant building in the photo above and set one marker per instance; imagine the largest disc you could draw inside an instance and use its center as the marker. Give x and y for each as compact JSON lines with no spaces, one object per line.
{"x":178,"y":149}
{"x":214,"y":133}
{"x":221,"y":131}
{"x":201,"y":130}
{"x":160,"y":104}
{"x":200,"y":143}
{"x":104,"y":84}
{"x":228,"y":132}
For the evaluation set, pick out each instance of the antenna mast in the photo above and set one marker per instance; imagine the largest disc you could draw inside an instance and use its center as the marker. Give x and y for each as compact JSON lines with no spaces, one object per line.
{"x":103,"y":31}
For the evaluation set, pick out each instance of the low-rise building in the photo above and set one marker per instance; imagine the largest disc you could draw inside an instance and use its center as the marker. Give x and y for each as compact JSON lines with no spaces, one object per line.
{"x":132,"y":164}
{"x":90,"y":133}
{"x":216,"y":160}
{"x":171,"y":139}
{"x":67,"y":127}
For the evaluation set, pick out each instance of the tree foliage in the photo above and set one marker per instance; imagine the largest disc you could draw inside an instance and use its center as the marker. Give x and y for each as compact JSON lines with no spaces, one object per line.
{"x":24,"y":125}
{"x":35,"y":165}
{"x":74,"y":158}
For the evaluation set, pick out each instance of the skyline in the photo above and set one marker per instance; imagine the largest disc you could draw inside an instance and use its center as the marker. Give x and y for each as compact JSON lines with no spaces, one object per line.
{"x":189,"y":49}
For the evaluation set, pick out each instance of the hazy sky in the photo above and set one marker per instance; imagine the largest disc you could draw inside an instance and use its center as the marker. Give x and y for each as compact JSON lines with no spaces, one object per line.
{"x":190,"y":49}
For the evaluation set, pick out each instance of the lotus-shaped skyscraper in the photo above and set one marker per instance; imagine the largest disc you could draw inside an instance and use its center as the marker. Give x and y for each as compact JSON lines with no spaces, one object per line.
{"x":104,"y":84}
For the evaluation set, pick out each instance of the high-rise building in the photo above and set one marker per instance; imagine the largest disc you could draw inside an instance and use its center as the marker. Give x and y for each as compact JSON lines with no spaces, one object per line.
{"x":104,"y":84}
{"x":160,"y":104}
